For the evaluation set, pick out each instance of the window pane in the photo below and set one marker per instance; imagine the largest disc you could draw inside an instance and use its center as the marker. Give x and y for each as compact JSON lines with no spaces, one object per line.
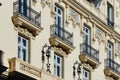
{"x":24,"y":42}
{"x":58,"y":71}
{"x":59,"y":11}
{"x":58,"y":60}
{"x":24,"y":54}
{"x":19,"y":39}
{"x":18,"y":52}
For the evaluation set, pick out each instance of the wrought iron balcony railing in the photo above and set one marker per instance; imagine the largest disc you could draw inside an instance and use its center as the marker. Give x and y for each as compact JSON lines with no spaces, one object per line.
{"x":112,"y":65}
{"x":28,"y":13}
{"x":90,"y":51}
{"x":62,"y":34}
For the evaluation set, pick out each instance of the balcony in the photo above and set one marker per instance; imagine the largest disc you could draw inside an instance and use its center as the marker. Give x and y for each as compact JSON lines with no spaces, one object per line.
{"x":18,"y":67}
{"x":61,"y":38}
{"x":112,"y":68}
{"x":89,"y":55}
{"x":27,"y":19}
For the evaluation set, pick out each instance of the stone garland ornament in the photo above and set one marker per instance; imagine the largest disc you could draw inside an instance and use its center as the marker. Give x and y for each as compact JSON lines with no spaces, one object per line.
{"x":99,"y":35}
{"x":74,"y":17}
{"x":45,"y":2}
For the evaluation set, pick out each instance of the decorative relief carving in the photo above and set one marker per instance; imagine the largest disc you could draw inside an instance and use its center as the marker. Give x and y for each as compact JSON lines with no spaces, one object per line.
{"x":74,"y":17}
{"x":117,"y":54}
{"x":24,"y":31}
{"x":109,"y":78}
{"x":59,"y":51}
{"x":99,"y":35}
{"x":45,"y":2}
{"x":85,"y":65}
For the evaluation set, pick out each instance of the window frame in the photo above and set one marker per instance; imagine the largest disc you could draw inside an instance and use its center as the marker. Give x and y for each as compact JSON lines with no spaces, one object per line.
{"x":21,"y":46}
{"x":88,"y":72}
{"x":110,"y":14}
{"x":58,"y":64}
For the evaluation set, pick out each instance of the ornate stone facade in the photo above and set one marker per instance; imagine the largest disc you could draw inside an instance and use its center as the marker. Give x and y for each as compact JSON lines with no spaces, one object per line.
{"x":24,"y":31}
{"x":74,"y":17}
{"x":45,"y":2}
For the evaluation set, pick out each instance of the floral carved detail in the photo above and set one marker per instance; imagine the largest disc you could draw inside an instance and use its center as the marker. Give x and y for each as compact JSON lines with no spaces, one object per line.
{"x":59,"y":51}
{"x":99,"y":35}
{"x":117,"y":54}
{"x":45,"y":2}
{"x":74,"y":17}
{"x":85,"y":65}
{"x":24,"y":31}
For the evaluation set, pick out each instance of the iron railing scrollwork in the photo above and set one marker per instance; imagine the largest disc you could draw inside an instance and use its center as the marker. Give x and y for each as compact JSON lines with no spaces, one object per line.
{"x":90,"y":51}
{"x":62,"y":34}
{"x":28,"y":13}
{"x":111,"y":64}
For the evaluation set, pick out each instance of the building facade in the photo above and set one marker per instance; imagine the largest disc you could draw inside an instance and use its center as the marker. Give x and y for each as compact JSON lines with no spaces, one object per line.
{"x":60,"y":40}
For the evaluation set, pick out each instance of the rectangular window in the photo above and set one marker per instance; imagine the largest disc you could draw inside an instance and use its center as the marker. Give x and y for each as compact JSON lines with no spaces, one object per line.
{"x":110,"y":50}
{"x":57,"y":65}
{"x":110,"y":15}
{"x":23,"y":48}
{"x":86,"y":74}
{"x":86,"y":39}
{"x":58,"y":21}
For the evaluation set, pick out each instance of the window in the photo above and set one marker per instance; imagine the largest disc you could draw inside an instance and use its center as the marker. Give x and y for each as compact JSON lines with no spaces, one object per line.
{"x":57,"y":65}
{"x":58,"y":16}
{"x":110,"y":50}
{"x":86,"y":74}
{"x":110,"y":15}
{"x":23,"y":5}
{"x":58,"y":21}
{"x":110,"y":54}
{"x":23,"y":48}
{"x":86,"y":36}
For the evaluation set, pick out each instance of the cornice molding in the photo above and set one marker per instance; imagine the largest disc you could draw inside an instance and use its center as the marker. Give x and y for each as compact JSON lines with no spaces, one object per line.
{"x":85,"y":12}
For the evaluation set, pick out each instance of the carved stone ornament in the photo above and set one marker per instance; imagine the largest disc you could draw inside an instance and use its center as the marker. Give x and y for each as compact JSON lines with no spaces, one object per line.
{"x":74,"y":17}
{"x":24,"y":31}
{"x":87,"y":66}
{"x":117,"y":54}
{"x":59,"y":51}
{"x":45,"y":2}
{"x":99,"y":35}
{"x":109,"y":78}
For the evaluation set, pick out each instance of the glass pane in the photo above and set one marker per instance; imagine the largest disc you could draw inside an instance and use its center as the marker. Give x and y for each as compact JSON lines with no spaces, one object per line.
{"x":18,"y":52}
{"x":58,"y":71}
{"x":58,"y":60}
{"x":24,"y":54}
{"x":86,"y":74}
{"x":55,"y":9}
{"x":24,"y":42}
{"x":59,"y":11}
{"x":54,"y":69}
{"x":19,"y":39}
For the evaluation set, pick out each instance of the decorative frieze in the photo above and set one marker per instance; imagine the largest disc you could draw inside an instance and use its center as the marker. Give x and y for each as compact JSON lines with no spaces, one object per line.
{"x":98,"y":34}
{"x":24,"y":31}
{"x":45,"y":2}
{"x":74,"y":17}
